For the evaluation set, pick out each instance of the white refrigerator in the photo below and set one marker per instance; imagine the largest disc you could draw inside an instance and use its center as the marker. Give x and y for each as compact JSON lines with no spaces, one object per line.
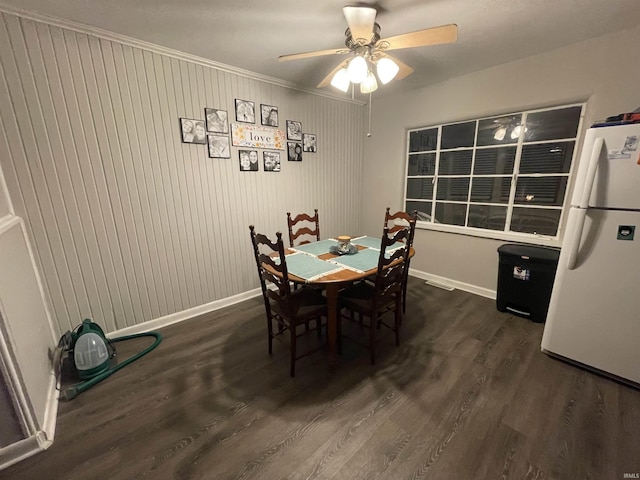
{"x":594,"y":311}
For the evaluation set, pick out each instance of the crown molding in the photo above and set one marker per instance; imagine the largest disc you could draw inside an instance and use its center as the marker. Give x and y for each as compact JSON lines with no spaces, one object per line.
{"x":152,"y":47}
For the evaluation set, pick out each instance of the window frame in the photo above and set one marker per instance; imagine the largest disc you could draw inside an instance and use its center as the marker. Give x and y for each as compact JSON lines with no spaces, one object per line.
{"x":538,"y":239}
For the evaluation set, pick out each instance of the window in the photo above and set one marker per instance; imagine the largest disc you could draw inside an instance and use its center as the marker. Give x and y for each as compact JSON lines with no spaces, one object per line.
{"x":503,"y":176}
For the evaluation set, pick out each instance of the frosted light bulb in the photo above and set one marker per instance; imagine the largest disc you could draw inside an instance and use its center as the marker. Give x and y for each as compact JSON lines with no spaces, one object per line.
{"x":357,"y":69}
{"x":369,"y":84}
{"x":387,"y":69}
{"x":341,"y":80}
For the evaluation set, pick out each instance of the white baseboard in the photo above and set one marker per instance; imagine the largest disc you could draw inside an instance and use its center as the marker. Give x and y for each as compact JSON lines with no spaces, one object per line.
{"x":23,"y":449}
{"x":241,"y":297}
{"x":448,"y":282}
{"x":48,"y":427}
{"x":185,"y":314}
{"x":20,"y":450}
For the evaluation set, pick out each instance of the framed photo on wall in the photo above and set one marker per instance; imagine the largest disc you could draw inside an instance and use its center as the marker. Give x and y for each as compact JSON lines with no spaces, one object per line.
{"x":271,"y":161}
{"x":193,"y":131}
{"x":309,"y":142}
{"x":294,"y":151}
{"x":245,"y":111}
{"x":219,"y":146}
{"x":248,"y":160}
{"x":294,"y":130}
{"x":217,"y":120}
{"x":269,"y":115}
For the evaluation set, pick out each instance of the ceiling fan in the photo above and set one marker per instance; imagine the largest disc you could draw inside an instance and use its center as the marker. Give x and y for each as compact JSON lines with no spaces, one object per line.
{"x":369,"y":50}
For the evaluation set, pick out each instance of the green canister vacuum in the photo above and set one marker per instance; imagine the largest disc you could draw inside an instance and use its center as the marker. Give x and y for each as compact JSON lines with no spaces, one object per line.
{"x":87,"y":354}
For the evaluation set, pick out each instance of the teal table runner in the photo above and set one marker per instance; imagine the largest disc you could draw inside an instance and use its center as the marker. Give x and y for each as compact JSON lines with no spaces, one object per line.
{"x":360,"y":262}
{"x":372,"y":242}
{"x":317,"y":248}
{"x":308,"y":267}
{"x":369,"y":242}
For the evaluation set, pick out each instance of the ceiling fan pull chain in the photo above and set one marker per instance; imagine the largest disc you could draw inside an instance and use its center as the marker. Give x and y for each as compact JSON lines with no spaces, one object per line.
{"x":369,"y":132}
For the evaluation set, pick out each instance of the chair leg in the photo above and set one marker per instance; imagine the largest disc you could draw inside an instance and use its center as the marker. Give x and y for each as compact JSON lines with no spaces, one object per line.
{"x":372,"y":338}
{"x":270,"y":332}
{"x":398,"y":320}
{"x":338,"y":331}
{"x":404,"y":297}
{"x":404,"y":288}
{"x":292,"y":330}
{"x":319,"y":326}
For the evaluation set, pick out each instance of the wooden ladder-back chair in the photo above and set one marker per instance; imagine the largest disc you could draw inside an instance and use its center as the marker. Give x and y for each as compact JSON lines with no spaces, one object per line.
{"x":398,"y":221}
{"x":385,"y":295}
{"x":287,"y":308}
{"x":303,"y":230}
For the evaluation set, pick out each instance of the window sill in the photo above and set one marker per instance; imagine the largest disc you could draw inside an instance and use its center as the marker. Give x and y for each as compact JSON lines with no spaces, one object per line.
{"x":542,"y":240}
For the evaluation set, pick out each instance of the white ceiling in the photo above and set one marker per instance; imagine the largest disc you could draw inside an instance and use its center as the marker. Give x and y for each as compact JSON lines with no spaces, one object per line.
{"x":251,"y":34}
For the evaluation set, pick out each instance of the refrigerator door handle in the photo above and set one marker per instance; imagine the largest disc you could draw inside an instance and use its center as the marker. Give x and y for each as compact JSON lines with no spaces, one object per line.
{"x":591,"y":172}
{"x":581,"y":213}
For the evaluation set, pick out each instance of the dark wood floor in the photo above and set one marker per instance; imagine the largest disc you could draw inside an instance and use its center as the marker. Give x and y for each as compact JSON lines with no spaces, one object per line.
{"x":467,"y":395}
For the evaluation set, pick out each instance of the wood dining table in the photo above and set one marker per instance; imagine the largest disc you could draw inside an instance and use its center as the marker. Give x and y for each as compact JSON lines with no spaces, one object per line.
{"x":342,"y":271}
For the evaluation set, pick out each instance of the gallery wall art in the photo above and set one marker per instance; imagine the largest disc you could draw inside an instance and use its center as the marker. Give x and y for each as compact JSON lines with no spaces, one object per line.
{"x":220,"y":136}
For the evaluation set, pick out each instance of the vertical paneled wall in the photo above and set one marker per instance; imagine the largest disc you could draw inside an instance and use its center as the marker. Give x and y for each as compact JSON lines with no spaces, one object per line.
{"x":5,"y":205}
{"x":128,"y":223}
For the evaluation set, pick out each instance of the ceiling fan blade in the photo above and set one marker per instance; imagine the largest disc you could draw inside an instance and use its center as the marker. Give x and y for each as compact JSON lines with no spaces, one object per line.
{"x":326,"y":81}
{"x":421,"y":38}
{"x":405,"y":70}
{"x":317,"y":53}
{"x":360,"y":21}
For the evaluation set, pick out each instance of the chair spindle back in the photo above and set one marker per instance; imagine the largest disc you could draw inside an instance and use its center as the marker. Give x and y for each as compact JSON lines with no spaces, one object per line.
{"x":264,"y":249}
{"x":303,"y":230}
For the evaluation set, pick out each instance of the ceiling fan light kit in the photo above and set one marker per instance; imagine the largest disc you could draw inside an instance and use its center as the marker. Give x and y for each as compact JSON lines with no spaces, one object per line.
{"x":357,"y":69}
{"x":341,"y":80}
{"x":369,"y":50}
{"x":386,"y":69}
{"x":360,"y":70}
{"x":369,"y":84}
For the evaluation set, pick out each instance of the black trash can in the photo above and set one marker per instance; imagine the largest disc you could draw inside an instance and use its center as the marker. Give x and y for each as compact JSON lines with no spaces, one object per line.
{"x":525,"y":280}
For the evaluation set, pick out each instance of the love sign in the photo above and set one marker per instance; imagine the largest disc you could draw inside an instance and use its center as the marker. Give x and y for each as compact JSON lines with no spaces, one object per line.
{"x":243,"y":135}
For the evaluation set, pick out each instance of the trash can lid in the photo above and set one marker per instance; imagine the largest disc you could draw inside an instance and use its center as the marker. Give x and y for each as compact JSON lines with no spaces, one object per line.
{"x":541,"y":254}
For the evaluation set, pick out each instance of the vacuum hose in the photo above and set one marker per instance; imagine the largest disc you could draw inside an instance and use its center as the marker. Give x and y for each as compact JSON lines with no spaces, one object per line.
{"x":73,"y":391}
